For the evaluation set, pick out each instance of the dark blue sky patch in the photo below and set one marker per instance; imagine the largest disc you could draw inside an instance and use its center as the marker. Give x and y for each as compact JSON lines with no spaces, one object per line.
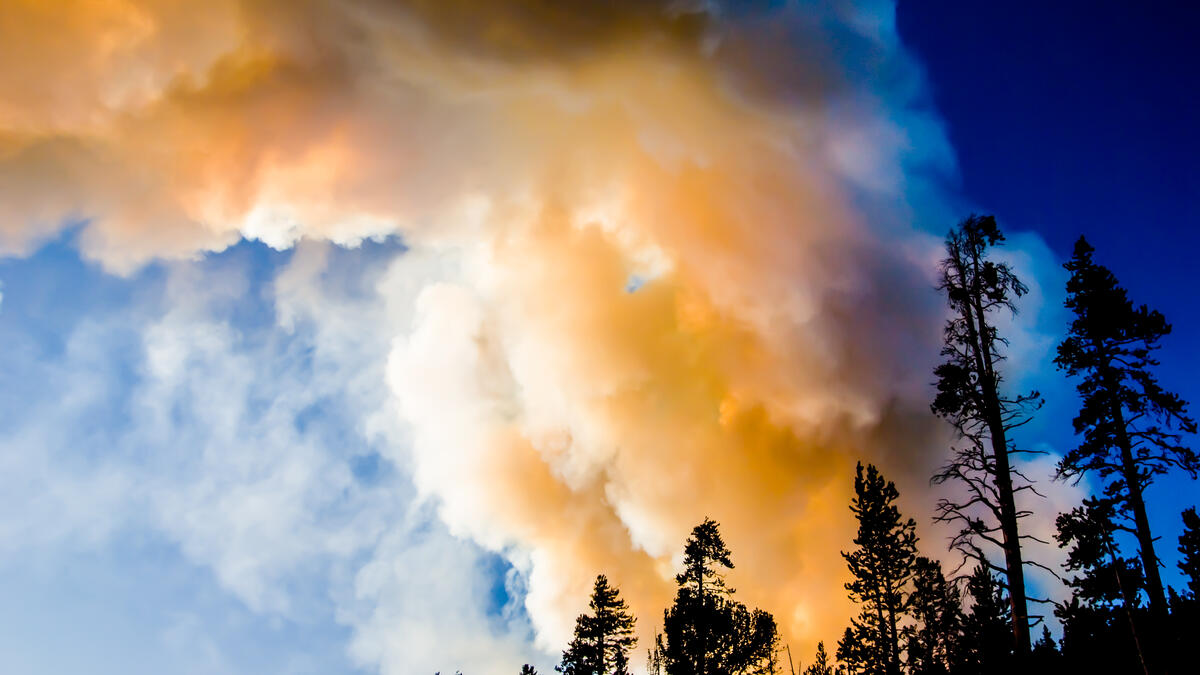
{"x":1074,"y":119}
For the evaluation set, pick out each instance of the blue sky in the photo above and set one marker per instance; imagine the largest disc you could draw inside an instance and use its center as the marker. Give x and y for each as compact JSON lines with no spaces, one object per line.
{"x":203,"y":463}
{"x":1073,"y":119}
{"x":123,"y":551}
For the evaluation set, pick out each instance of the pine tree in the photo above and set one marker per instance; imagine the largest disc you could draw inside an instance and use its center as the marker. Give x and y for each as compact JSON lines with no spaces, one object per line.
{"x":933,"y":644}
{"x":1046,"y":659}
{"x":1088,"y":534}
{"x":988,"y":644}
{"x":971,"y":398}
{"x":1130,"y":425}
{"x":603,"y":638}
{"x":1102,"y":623}
{"x":620,"y":664}
{"x":707,"y":632}
{"x":656,"y":657}
{"x":1185,"y":609}
{"x":855,"y":652}
{"x":820,"y":664}
{"x":880,"y":568}
{"x":1189,"y":548}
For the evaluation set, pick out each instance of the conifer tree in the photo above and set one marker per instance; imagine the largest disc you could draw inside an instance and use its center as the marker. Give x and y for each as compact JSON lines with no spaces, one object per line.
{"x":880,"y":568}
{"x":1046,"y":659}
{"x":854,"y":651}
{"x":1102,"y":621}
{"x":1088,"y":534}
{"x":603,"y":638}
{"x":656,"y":657}
{"x":820,"y":664}
{"x":970,"y":396}
{"x":1130,"y":425}
{"x":933,"y":644}
{"x":988,"y":644}
{"x":707,"y":632}
{"x":620,"y":664}
{"x":1189,"y":548}
{"x":1185,"y":610}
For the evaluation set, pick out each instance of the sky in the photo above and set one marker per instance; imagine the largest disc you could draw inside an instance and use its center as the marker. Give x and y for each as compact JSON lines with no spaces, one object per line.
{"x":1072,"y":123}
{"x":358,"y":337}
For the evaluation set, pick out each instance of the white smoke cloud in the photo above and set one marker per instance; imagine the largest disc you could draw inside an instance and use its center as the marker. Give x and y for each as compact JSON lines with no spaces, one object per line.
{"x":759,"y":173}
{"x":238,"y":444}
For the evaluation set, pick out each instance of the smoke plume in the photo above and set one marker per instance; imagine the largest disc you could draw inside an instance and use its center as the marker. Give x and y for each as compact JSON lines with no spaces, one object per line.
{"x":674,"y":271}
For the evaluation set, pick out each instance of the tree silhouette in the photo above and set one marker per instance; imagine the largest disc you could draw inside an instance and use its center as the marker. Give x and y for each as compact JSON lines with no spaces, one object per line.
{"x":1088,"y":534}
{"x":880,"y":568}
{"x":528,"y":670}
{"x":620,"y":664}
{"x":705,"y":631}
{"x":1100,"y":623}
{"x":656,"y":657}
{"x":603,"y":638}
{"x":855,"y":650}
{"x":988,"y":643}
{"x":1189,"y":548}
{"x":934,"y":643}
{"x":1129,"y":423}
{"x":969,"y":396}
{"x":820,"y":664}
{"x":1046,"y":658}
{"x":1185,"y":610}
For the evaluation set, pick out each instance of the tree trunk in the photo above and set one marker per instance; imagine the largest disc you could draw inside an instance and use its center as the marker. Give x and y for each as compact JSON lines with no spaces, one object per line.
{"x":893,"y":643}
{"x":1129,"y":596}
{"x":881,"y":631}
{"x":1012,"y":546}
{"x":1154,"y":586}
{"x":1014,"y":565}
{"x":703,"y":615}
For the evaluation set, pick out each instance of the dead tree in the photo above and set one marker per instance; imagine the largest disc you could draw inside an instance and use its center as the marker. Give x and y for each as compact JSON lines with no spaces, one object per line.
{"x":970,"y":397}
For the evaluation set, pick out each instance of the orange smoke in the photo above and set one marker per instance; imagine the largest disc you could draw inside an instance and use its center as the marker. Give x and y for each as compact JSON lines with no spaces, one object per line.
{"x":660,"y":300}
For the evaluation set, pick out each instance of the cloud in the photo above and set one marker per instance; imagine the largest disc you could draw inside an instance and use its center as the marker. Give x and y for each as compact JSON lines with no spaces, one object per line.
{"x":246,"y":445}
{"x":422,"y":604}
{"x":757,"y":167}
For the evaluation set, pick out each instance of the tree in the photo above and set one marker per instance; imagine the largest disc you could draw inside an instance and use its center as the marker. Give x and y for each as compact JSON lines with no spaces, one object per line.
{"x":707,"y":632}
{"x":621,"y":664}
{"x":1100,"y":623}
{"x":1185,"y":609}
{"x":528,"y":670}
{"x":1046,"y":658}
{"x":933,"y":644}
{"x":820,"y":664}
{"x":656,"y":657}
{"x":970,"y":397}
{"x":1129,"y":424}
{"x":988,"y":642}
{"x":603,"y":638}
{"x":1189,"y":548}
{"x":880,"y":568}
{"x":1108,"y":580}
{"x":854,"y":650}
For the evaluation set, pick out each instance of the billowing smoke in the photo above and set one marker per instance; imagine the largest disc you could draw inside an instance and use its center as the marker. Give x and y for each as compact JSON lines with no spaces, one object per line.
{"x":673,"y":274}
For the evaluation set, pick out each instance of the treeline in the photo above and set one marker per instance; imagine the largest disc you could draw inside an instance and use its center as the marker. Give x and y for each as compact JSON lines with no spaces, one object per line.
{"x":915,"y":618}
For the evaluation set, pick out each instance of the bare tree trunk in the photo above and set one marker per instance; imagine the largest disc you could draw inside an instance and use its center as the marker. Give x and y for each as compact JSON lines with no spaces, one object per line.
{"x":1128,"y":596}
{"x":883,"y":628}
{"x":1013,"y":563}
{"x":1154,"y":585}
{"x":1012,"y":545}
{"x":893,"y":642}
